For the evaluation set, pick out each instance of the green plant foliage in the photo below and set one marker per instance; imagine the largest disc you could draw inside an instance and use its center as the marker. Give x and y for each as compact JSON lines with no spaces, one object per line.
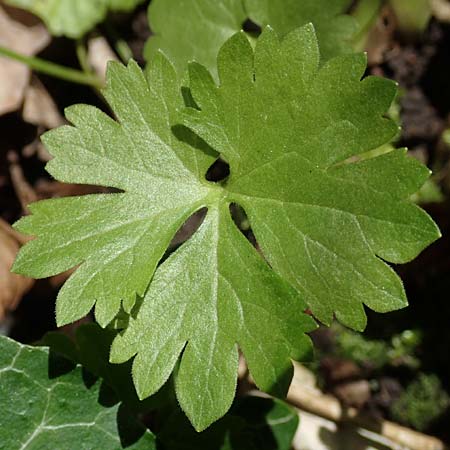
{"x":446,"y":136}
{"x":428,"y":193}
{"x":253,"y":423}
{"x":422,"y":402}
{"x":334,"y":29}
{"x":412,"y":16}
{"x":45,"y":405}
{"x":378,"y":353}
{"x":287,"y":126}
{"x":119,"y":238}
{"x":356,"y":347}
{"x":212,"y":22}
{"x":73,"y":18}
{"x":214,"y":292}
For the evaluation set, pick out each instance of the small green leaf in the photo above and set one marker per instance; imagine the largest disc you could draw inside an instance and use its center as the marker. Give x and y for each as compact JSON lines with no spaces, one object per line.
{"x":73,"y":18}
{"x":39,"y":410}
{"x":211,"y":23}
{"x":213,"y":293}
{"x":253,"y":423}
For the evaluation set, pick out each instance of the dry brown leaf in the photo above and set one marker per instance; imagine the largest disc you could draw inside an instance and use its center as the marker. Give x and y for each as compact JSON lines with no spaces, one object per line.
{"x":441,"y":10}
{"x":39,"y":108}
{"x":17,"y":34}
{"x":24,"y":191}
{"x":98,"y":54}
{"x":353,"y":393}
{"x":379,"y":39}
{"x":12,"y":286}
{"x":36,"y":147}
{"x":54,"y":189}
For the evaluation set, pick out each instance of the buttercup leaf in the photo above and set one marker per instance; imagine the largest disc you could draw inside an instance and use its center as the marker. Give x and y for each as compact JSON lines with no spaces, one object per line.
{"x":287,"y":126}
{"x":324,"y":218}
{"x":212,"y":22}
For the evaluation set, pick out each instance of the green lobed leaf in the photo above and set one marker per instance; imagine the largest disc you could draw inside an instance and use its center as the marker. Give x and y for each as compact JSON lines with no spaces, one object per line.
{"x":40,"y":410}
{"x":290,"y":129}
{"x":196,"y":29}
{"x":287,"y":127}
{"x":73,"y":18}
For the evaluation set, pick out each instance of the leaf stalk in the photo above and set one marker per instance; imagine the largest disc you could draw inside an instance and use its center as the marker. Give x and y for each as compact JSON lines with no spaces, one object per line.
{"x":52,"y":69}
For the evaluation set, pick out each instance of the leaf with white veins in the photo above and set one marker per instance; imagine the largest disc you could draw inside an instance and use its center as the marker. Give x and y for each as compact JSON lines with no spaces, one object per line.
{"x":45,"y":404}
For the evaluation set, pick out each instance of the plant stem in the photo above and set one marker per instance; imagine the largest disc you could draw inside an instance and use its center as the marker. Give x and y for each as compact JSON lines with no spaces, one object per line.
{"x":52,"y":69}
{"x":81,"y":52}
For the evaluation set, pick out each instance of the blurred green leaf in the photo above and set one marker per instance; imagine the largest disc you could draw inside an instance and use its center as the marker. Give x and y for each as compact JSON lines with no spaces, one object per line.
{"x":422,"y":402}
{"x":412,"y":15}
{"x":195,"y":30}
{"x":73,"y":18}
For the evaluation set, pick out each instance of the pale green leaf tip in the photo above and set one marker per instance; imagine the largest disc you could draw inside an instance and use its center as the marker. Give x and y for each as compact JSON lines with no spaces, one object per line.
{"x":112,"y":69}
{"x":61,"y":319}
{"x":309,"y":27}
{"x":18,"y":224}
{"x":141,"y":391}
{"x":21,"y":265}
{"x":202,"y":423}
{"x":63,"y":314}
{"x":16,"y":267}
{"x":102,"y":320}
{"x":160,"y":55}
{"x":114,"y":352}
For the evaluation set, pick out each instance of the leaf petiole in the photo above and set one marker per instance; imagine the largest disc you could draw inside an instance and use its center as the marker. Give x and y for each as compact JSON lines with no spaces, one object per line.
{"x":52,"y":69}
{"x":80,"y":49}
